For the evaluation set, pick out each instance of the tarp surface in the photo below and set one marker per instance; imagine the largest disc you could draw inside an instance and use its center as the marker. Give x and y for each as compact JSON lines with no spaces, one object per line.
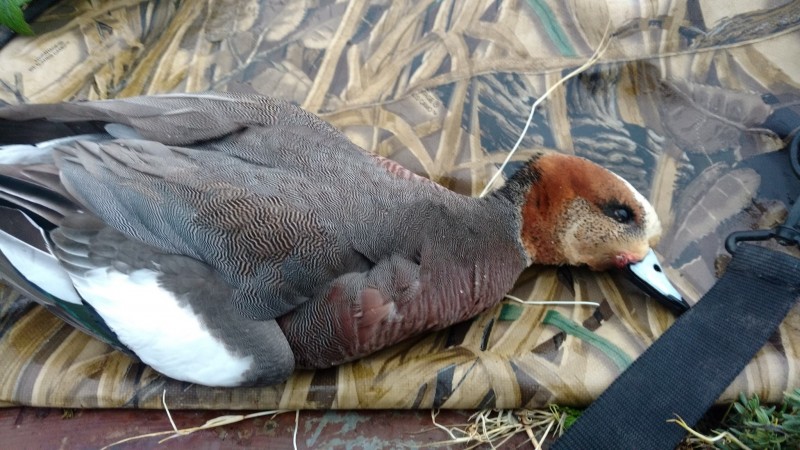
{"x":691,"y":103}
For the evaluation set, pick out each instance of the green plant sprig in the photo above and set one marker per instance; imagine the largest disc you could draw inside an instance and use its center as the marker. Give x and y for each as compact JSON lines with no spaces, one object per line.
{"x":12,"y":17}
{"x":750,"y":425}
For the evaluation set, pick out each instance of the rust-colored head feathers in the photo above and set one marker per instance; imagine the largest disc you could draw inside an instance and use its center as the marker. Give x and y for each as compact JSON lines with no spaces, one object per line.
{"x":576,"y":212}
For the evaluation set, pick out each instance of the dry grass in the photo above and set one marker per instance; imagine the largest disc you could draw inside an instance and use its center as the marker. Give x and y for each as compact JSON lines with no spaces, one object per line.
{"x":487,"y":426}
{"x":496,"y":427}
{"x":212,"y":423}
{"x":696,"y":437}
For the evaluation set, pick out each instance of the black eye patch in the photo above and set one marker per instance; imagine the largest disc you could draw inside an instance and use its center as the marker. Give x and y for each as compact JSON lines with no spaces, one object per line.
{"x":619,"y":212}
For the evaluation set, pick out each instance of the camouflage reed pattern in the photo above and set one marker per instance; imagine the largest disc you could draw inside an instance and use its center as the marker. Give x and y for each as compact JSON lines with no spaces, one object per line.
{"x":679,"y":105}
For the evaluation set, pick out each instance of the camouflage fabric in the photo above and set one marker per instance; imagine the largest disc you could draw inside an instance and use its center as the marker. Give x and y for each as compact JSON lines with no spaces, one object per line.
{"x":691,"y":102}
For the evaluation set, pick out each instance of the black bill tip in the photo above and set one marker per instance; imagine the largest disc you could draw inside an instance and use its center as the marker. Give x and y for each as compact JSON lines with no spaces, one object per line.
{"x":649,"y":276}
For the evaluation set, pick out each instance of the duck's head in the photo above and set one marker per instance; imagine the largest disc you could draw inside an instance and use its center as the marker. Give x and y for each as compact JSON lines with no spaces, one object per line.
{"x":578,"y":213}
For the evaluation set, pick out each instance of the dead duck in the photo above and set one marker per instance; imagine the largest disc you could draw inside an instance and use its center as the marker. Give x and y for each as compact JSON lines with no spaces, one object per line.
{"x":226,"y":239}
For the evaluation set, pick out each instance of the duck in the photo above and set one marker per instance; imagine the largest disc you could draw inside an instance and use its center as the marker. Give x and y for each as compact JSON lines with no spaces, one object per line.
{"x":228,"y":239}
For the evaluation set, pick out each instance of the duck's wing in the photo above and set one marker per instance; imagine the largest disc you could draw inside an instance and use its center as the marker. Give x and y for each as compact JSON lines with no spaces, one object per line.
{"x":27,"y":264}
{"x":36,"y":189}
{"x":214,"y":120}
{"x":170,"y":310}
{"x":229,"y":180}
{"x":212,"y":176}
{"x":250,"y":222}
{"x":178,"y":119}
{"x":30,"y":188}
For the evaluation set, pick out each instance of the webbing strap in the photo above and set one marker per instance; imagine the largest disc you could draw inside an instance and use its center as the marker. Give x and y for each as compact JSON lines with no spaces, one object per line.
{"x":692,"y":363}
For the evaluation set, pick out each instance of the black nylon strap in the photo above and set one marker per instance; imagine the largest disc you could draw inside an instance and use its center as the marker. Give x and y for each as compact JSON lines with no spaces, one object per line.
{"x":689,"y":367}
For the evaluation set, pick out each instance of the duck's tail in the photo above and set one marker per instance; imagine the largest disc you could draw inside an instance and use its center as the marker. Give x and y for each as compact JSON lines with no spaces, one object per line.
{"x":33,"y":201}
{"x":29,"y":179}
{"x":28,"y":264}
{"x":34,"y":131}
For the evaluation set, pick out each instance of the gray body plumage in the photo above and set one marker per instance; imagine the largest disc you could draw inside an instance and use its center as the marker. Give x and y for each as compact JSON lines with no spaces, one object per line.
{"x":274,"y":214}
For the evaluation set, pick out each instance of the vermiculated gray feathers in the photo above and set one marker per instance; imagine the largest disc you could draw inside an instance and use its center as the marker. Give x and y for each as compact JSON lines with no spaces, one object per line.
{"x":298,"y":221}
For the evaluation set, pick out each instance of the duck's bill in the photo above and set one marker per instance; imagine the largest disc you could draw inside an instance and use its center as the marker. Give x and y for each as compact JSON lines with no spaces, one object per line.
{"x":648,"y":275}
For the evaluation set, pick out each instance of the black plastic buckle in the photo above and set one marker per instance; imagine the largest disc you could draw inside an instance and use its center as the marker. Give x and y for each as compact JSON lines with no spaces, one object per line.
{"x":786,"y":234}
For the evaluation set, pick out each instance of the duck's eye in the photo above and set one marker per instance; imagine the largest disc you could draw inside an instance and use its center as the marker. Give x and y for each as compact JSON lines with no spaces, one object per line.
{"x":620,"y":213}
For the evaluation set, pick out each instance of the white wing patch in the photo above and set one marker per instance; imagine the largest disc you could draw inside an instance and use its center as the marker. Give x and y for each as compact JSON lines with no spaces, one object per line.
{"x":41,"y":269}
{"x":163,"y":333}
{"x":41,"y":153}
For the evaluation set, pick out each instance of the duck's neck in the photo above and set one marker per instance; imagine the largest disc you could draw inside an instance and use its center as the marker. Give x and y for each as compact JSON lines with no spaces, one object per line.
{"x":538,"y":235}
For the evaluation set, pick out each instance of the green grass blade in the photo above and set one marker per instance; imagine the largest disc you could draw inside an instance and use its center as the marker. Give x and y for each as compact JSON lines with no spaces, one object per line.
{"x":620,"y":358}
{"x":12,"y":17}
